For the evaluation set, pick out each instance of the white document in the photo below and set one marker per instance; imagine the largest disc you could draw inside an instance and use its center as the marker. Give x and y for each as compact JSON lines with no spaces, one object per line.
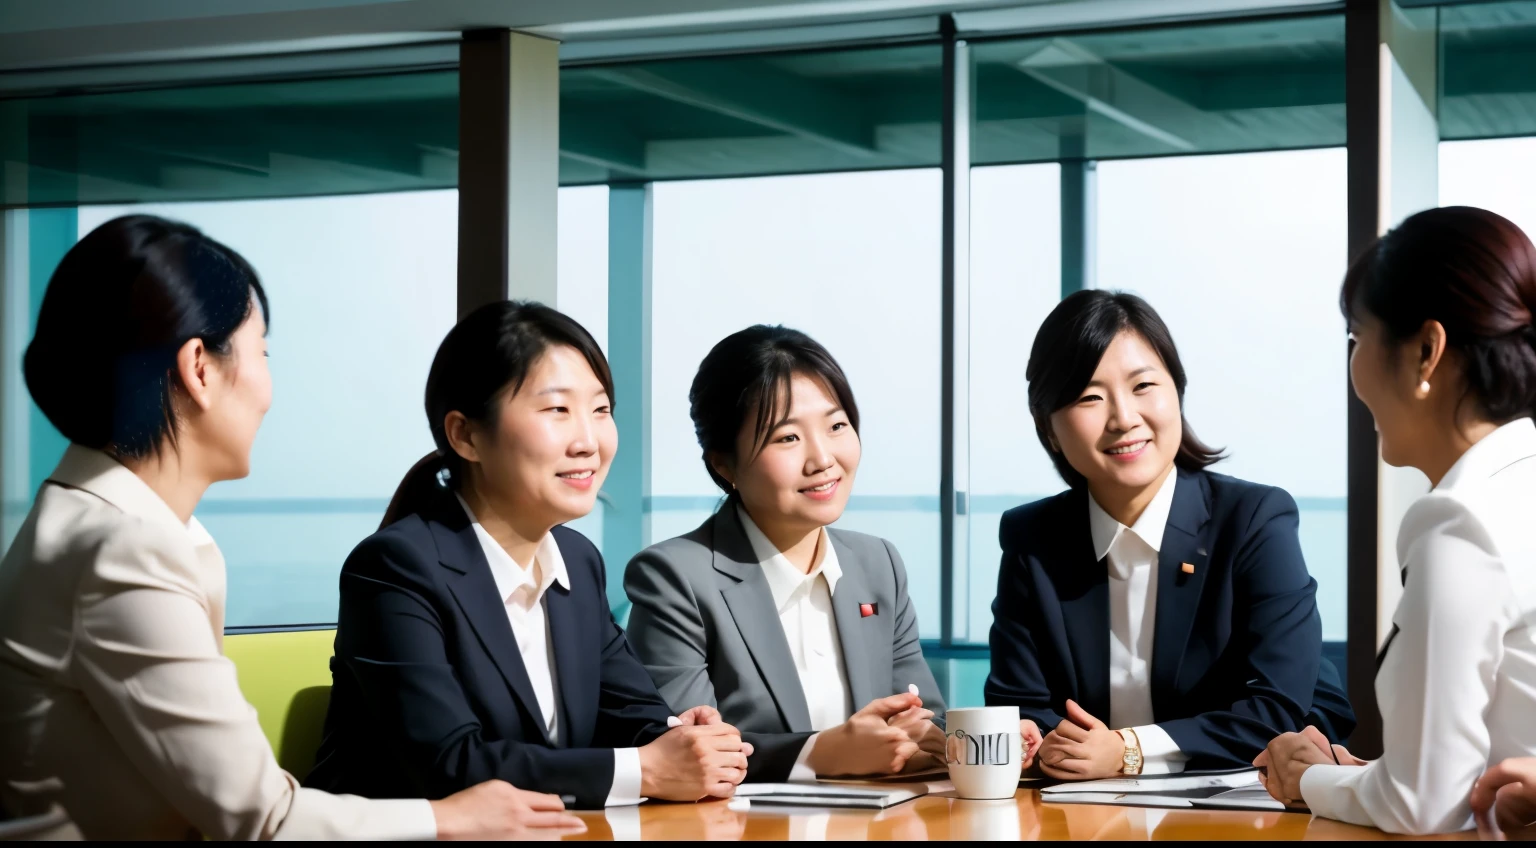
{"x":1121,"y":799}
{"x":1186,"y":784}
{"x":830,"y":795}
{"x":1247,"y":798}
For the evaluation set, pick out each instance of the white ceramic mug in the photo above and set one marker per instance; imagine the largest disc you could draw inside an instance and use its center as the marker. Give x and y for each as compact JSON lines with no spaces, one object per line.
{"x":984,"y":751}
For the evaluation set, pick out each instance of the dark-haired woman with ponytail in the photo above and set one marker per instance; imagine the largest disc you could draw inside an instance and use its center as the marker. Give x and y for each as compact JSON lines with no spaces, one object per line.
{"x":803,"y":636}
{"x":116,"y":702}
{"x":474,"y":639}
{"x":1156,"y":616}
{"x":1444,"y":357}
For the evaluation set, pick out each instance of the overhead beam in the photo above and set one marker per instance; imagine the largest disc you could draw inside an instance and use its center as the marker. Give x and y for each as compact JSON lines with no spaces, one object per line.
{"x":1080,"y":74}
{"x":757,"y":93}
{"x":605,"y":146}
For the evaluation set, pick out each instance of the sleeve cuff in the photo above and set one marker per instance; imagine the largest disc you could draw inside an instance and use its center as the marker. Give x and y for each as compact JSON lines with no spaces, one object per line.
{"x":1319,"y":788}
{"x":802,"y":772}
{"x":1159,"y":753}
{"x":626,"y":778}
{"x":404,"y":819}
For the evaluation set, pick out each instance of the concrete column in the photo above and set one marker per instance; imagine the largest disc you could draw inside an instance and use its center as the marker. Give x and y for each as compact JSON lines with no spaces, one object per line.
{"x":509,"y":167}
{"x":1391,"y":95}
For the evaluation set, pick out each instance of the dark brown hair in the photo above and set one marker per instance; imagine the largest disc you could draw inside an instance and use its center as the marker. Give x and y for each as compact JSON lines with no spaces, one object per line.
{"x":749,"y":372}
{"x":1067,"y":351}
{"x":102,"y":364}
{"x":1475,"y":273}
{"x":484,"y":357}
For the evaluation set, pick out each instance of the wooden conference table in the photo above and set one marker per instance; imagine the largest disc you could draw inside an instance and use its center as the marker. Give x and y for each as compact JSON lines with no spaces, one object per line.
{"x":944,"y":817}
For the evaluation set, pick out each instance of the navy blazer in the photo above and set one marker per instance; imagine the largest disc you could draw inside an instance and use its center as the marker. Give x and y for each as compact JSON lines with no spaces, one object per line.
{"x":430,"y":693}
{"x":1236,"y":646}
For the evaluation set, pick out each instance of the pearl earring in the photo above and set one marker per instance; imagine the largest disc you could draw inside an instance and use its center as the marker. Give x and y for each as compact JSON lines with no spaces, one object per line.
{"x":1424,"y":387}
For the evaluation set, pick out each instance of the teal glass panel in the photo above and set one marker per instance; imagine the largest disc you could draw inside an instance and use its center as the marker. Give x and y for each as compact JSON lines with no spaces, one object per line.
{"x":1251,"y":85}
{"x":1487,"y":70}
{"x":289,"y":138}
{"x":836,"y":110}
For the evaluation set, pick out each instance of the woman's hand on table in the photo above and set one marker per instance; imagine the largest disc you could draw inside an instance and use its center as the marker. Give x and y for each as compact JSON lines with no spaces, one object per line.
{"x":1288,"y":757}
{"x":496,"y":809}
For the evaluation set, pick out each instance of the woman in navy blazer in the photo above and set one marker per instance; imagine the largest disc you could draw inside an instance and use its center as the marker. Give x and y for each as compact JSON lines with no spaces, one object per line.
{"x":1154,"y":617}
{"x":474,"y":639}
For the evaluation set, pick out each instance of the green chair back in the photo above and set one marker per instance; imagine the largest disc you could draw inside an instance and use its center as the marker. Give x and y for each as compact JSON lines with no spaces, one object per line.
{"x":286,"y":676}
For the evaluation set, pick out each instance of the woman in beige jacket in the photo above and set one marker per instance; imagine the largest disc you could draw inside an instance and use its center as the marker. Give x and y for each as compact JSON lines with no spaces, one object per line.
{"x":116,"y":702}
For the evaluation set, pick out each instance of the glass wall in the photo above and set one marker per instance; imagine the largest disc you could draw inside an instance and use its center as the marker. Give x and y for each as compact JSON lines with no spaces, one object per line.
{"x":1210,"y":240}
{"x":798,"y":187}
{"x":1015,"y":282}
{"x":1242,"y":255}
{"x":1157,"y":91}
{"x":851,"y":259}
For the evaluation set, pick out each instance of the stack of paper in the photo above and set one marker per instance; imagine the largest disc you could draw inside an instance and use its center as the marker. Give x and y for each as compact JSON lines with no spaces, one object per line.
{"x":868,"y":797}
{"x":1235,"y":789}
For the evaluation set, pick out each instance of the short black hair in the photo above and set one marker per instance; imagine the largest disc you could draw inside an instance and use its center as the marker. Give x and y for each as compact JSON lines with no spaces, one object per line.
{"x":750,"y":372}
{"x":102,"y":364}
{"x":1067,"y":351}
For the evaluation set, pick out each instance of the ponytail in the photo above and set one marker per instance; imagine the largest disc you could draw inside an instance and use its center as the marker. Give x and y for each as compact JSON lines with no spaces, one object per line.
{"x":420,"y":490}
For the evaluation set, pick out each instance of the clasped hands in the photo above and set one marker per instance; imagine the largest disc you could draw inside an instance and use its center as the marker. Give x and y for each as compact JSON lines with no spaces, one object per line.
{"x":701,"y":757}
{"x":1081,"y":747}
{"x":888,"y":736}
{"x":704,"y":757}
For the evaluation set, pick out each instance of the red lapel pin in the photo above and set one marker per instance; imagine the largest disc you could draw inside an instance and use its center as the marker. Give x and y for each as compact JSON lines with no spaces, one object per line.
{"x":867,"y":610}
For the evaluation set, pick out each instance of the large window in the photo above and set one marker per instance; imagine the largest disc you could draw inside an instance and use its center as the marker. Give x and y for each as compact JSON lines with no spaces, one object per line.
{"x":1015,"y":282}
{"x":1243,"y":255}
{"x":1199,"y":165}
{"x":850,"y":259}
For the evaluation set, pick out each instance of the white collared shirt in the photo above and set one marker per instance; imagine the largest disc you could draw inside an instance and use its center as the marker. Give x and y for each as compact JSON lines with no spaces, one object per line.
{"x":1457,"y":684}
{"x":804,"y":604}
{"x":522,"y":592}
{"x":1132,"y":560}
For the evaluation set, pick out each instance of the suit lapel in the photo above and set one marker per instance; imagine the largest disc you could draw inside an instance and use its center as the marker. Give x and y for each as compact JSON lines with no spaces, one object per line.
{"x":1178,"y":593}
{"x":1083,"y":583}
{"x":750,"y":600}
{"x":474,"y":589}
{"x":852,"y":591}
{"x":576,"y":663}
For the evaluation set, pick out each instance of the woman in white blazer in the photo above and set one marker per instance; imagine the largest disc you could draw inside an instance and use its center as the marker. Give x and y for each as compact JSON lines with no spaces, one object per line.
{"x":1440,"y":310}
{"x":116,"y":702}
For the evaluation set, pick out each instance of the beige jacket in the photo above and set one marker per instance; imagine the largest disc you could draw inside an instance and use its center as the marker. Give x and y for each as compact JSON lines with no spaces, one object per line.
{"x":115,"y":699}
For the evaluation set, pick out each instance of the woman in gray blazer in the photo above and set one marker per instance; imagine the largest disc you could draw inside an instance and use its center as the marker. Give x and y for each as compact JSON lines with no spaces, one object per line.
{"x":802,"y":636}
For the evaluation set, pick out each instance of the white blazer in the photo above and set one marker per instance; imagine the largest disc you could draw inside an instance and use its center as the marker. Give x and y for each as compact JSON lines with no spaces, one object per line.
{"x":1457,"y":682}
{"x":115,"y":700}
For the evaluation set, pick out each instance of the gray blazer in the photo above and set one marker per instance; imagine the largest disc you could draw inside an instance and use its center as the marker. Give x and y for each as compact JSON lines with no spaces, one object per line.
{"x":705,"y":626}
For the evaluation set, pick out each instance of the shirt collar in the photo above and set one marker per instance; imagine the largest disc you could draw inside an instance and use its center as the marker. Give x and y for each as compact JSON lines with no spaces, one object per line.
{"x":100,"y":474}
{"x":548,"y":566}
{"x":1494,"y":452}
{"x":783,"y":577}
{"x":1149,"y":527}
{"x":97,"y":472}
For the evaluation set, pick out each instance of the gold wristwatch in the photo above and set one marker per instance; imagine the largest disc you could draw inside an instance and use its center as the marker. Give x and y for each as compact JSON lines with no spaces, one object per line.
{"x":1132,"y":757}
